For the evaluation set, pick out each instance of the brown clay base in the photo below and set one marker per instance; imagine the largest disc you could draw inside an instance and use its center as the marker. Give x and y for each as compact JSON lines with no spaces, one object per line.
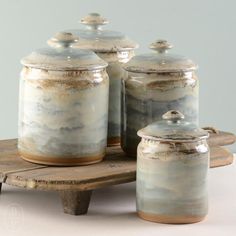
{"x":170,"y":219}
{"x":64,"y":161}
{"x":114,"y":141}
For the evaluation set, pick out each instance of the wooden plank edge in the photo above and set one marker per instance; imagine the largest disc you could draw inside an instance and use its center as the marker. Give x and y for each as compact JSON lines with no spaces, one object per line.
{"x":4,"y":175}
{"x":221,"y":139}
{"x":220,"y":156}
{"x":91,"y":184}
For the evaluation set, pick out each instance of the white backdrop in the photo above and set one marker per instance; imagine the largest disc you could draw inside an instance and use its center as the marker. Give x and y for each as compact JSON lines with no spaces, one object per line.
{"x":202,"y":30}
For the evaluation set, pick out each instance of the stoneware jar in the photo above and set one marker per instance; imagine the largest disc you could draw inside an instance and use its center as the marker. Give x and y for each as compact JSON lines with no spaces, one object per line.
{"x":63,"y":105}
{"x":157,"y":82}
{"x":116,"y":49}
{"x":172,"y":166}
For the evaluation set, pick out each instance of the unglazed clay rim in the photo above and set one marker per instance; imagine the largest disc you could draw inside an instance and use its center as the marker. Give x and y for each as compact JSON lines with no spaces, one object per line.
{"x":159,"y":71}
{"x":55,"y":68}
{"x":113,"y":141}
{"x":55,"y":161}
{"x":165,"y":219}
{"x":194,"y":139}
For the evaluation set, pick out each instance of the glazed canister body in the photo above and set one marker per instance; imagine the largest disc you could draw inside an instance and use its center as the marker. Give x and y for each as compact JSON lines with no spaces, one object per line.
{"x":156,"y":83}
{"x":172,"y":166}
{"x":116,"y":49}
{"x":63,"y":105}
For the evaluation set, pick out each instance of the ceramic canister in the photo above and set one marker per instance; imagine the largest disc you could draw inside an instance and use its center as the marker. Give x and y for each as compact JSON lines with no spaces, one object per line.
{"x":157,"y":82}
{"x":116,"y":49}
{"x":172,"y":166}
{"x":63,"y":105}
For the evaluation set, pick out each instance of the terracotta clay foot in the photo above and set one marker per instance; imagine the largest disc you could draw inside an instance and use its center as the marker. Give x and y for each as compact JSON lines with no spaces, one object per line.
{"x":75,"y":202}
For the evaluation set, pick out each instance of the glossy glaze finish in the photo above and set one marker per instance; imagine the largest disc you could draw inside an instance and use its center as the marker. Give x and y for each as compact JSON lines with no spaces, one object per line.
{"x":161,"y":83}
{"x":116,"y":49}
{"x":116,"y":75}
{"x":63,"y":113}
{"x":147,"y":96}
{"x":172,"y":175}
{"x":172,"y":179}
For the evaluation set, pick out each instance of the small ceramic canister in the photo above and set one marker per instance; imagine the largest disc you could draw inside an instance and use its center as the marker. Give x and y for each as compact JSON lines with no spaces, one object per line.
{"x":116,"y":49}
{"x":172,"y":166}
{"x":63,"y":105}
{"x":157,"y":82}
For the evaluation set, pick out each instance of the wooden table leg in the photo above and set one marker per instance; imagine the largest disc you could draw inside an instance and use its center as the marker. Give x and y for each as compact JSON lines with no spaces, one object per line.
{"x":75,"y":202}
{"x":0,"y":187}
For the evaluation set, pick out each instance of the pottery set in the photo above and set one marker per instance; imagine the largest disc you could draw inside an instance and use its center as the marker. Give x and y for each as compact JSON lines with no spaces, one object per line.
{"x":87,"y":91}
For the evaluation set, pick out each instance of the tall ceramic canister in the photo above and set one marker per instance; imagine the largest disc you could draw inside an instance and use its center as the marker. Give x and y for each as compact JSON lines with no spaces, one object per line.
{"x":157,"y":82}
{"x":63,"y":105}
{"x":172,"y":167}
{"x":116,"y":49}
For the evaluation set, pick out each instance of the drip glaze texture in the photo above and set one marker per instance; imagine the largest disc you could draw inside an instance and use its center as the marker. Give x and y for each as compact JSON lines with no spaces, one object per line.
{"x":63,"y":115}
{"x":116,"y":49}
{"x":145,"y":97}
{"x":172,"y":181}
{"x":116,"y":75}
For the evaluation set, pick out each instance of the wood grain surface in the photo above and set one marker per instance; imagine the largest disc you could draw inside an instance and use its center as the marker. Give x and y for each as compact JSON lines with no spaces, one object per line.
{"x":220,"y":156}
{"x":115,"y":169}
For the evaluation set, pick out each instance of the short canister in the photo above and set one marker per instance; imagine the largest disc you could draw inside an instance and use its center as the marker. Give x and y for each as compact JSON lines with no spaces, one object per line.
{"x":63,"y":108}
{"x":172,"y":167}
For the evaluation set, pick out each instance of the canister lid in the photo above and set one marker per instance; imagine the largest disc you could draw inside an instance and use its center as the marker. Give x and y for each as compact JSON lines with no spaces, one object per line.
{"x":95,"y":38}
{"x":61,"y":55}
{"x":173,"y":128}
{"x":161,"y":61}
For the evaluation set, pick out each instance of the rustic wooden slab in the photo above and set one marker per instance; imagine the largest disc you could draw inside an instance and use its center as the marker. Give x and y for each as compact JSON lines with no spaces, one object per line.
{"x":220,"y":156}
{"x":221,"y":139}
{"x":75,"y":184}
{"x":10,"y":161}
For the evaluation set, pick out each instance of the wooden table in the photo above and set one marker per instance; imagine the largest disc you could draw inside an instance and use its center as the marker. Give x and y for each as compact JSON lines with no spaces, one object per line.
{"x":75,"y":184}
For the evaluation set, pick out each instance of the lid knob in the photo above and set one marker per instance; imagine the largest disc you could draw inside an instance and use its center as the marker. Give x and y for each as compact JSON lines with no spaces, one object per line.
{"x":161,"y":46}
{"x":94,"y":21}
{"x":173,"y":116}
{"x":63,"y":39}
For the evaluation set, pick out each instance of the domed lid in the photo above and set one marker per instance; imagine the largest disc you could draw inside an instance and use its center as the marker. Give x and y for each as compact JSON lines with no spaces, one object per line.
{"x":61,"y":55}
{"x":173,"y":128}
{"x":95,"y":38}
{"x":161,"y":61}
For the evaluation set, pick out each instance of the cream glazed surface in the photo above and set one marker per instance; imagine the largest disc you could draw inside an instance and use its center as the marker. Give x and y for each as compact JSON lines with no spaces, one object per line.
{"x":116,"y":75}
{"x":148,"y":96}
{"x":58,"y":117}
{"x":172,"y":167}
{"x":116,"y":49}
{"x":172,"y":180}
{"x":157,"y":82}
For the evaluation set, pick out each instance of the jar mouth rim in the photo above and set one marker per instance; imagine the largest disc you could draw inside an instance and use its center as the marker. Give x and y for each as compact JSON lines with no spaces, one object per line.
{"x":173,"y":140}
{"x":59,"y":68}
{"x":159,"y":71}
